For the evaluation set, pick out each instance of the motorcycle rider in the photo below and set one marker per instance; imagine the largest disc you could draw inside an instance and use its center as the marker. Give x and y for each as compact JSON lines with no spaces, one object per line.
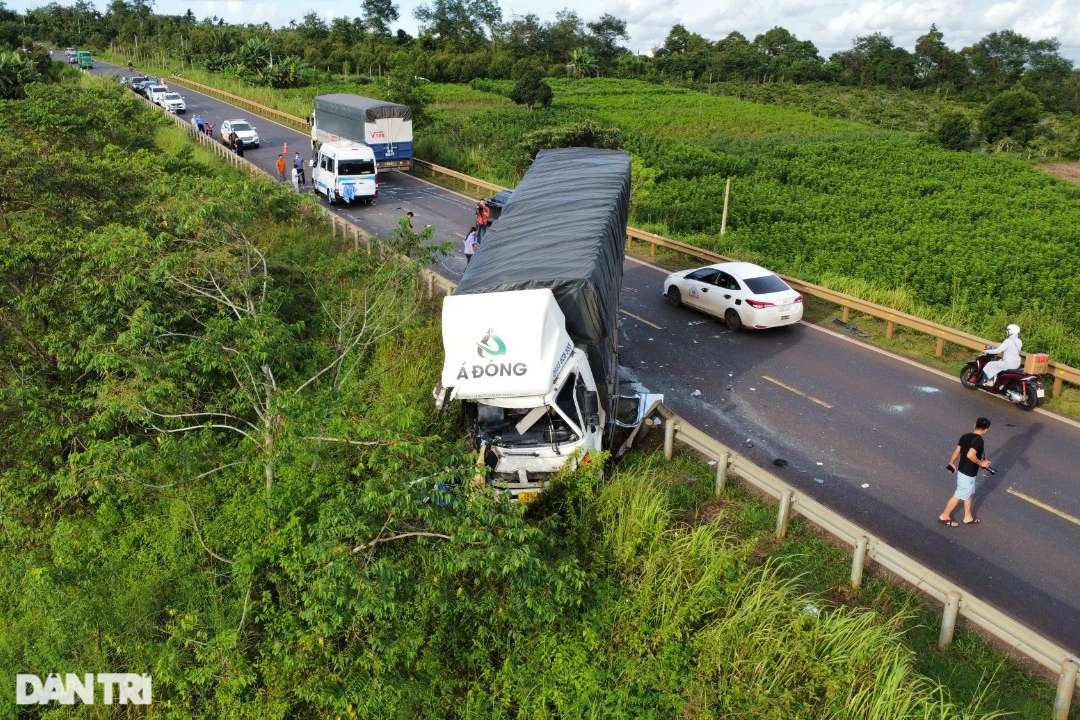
{"x":1009,"y":350}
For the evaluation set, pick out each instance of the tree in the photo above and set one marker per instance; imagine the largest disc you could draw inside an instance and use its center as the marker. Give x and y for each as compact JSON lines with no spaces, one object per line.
{"x":935,"y":64}
{"x":532,"y":91}
{"x":787,"y":57}
{"x":1012,"y":114}
{"x":606,"y":34}
{"x":451,"y":23}
{"x":378,"y":14}
{"x":582,"y":63}
{"x":956,"y":132}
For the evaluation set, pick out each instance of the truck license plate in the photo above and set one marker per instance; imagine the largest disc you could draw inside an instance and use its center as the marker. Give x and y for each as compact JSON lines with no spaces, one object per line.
{"x":526,"y":497}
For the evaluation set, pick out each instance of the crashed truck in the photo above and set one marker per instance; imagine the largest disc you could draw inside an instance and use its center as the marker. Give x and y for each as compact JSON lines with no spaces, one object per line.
{"x":531,"y":334}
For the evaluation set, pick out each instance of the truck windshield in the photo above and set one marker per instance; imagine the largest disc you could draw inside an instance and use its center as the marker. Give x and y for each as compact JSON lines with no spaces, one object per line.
{"x":356,"y":167}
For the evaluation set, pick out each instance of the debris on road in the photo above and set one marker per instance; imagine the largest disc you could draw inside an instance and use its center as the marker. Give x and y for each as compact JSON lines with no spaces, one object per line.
{"x":850,"y":328}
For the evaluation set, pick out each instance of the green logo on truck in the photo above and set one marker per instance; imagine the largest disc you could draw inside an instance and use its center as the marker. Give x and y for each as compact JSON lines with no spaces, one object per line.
{"x":491,"y":345}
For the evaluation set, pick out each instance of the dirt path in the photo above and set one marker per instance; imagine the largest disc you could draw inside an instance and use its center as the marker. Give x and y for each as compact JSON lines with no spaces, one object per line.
{"x":1066,"y":171}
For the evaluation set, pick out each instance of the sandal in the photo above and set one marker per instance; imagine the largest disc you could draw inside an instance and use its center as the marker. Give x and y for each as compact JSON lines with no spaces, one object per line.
{"x":972,"y":521}
{"x":948,"y":521}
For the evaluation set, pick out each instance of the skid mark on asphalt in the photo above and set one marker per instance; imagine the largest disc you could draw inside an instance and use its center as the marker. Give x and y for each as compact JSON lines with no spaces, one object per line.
{"x":1044,"y":506}
{"x":811,"y":398}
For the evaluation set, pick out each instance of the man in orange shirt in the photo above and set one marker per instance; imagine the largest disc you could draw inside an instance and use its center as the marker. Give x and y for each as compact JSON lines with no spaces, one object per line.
{"x":281,"y":168}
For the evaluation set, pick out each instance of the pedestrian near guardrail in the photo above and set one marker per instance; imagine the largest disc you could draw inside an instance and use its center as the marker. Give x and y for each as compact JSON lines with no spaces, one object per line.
{"x":280,"y":167}
{"x":967,"y":457}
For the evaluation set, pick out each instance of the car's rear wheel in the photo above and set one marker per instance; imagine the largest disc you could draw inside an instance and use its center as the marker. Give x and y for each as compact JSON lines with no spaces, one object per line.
{"x":734,"y":322}
{"x":674,"y":297}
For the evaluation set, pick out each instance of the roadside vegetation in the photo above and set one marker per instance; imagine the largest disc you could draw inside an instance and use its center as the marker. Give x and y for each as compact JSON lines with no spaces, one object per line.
{"x":222,"y":468}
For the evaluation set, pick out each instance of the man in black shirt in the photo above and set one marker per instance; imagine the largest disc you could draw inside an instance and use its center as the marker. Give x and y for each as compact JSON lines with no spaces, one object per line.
{"x":969,"y":452}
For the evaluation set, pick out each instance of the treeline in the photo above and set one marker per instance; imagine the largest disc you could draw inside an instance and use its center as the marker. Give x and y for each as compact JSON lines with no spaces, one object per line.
{"x":462,"y":40}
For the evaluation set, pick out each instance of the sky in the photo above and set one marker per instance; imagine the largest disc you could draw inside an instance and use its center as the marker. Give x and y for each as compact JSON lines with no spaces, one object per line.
{"x":830,"y":25}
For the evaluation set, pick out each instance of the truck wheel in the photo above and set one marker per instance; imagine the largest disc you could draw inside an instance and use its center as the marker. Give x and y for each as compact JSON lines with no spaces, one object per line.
{"x":734,"y":322}
{"x":673,"y":296}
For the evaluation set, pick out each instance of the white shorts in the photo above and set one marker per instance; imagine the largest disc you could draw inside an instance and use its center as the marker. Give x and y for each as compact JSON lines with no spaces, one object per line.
{"x":965,"y":486}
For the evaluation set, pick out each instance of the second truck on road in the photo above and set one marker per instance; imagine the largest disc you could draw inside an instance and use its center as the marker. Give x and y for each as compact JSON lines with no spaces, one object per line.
{"x":383,"y":126}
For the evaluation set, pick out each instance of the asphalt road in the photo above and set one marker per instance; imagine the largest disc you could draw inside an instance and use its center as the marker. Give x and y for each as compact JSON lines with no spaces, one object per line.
{"x":840,"y":413}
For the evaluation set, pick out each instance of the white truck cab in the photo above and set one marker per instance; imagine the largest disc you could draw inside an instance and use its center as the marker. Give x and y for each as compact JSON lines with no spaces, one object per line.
{"x":530,"y":390}
{"x":345,"y":171}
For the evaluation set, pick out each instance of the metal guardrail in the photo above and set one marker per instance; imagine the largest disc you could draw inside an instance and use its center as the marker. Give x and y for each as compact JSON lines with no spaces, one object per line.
{"x":1011,"y":633}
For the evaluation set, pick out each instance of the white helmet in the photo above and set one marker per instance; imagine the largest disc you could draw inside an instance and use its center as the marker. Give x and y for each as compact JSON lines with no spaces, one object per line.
{"x":1012,"y":330}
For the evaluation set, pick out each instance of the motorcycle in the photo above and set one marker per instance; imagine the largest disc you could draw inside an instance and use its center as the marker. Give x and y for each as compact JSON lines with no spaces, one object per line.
{"x":1021,"y":389}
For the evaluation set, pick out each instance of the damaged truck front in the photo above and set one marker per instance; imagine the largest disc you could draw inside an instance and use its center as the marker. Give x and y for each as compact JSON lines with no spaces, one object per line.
{"x":531,"y":334}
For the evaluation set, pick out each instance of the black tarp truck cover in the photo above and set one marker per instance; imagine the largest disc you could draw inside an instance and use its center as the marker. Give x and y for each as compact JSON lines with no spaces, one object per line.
{"x":339,"y":113}
{"x":564,"y":228}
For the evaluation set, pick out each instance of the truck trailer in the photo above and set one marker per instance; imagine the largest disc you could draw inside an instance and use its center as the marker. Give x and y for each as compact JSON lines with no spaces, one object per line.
{"x":384,"y":126}
{"x":531,"y":334}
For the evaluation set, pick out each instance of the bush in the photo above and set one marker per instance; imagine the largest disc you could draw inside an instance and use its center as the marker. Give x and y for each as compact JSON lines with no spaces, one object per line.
{"x":955,"y":132}
{"x":1012,"y":114}
{"x":531,"y":91}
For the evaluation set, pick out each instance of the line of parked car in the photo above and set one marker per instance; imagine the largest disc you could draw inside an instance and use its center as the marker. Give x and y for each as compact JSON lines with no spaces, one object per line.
{"x":156,"y":91}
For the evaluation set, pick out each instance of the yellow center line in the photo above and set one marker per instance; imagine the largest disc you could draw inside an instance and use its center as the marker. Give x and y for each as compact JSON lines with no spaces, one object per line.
{"x":1044,"y":506}
{"x":642,"y":320}
{"x":811,"y":398}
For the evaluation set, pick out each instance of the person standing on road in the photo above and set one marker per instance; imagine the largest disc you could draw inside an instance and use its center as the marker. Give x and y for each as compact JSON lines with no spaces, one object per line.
{"x":200,"y":123}
{"x":970,"y":453}
{"x":298,"y":166}
{"x":237,"y":143}
{"x":281,"y":167}
{"x":470,"y":246}
{"x":483,"y":213}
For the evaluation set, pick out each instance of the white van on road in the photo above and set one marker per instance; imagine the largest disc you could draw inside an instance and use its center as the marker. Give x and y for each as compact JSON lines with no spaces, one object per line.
{"x":345,"y":171}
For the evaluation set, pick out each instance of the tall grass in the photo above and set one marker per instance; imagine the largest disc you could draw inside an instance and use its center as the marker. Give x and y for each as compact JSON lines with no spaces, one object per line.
{"x":685,"y":625}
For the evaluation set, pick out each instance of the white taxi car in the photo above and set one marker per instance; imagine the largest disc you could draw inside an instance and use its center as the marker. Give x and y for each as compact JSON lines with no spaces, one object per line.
{"x":741,"y":294}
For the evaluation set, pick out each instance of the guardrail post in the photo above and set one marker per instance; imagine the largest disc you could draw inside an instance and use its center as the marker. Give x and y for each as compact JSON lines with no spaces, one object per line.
{"x":890,"y":326}
{"x":721,"y":473}
{"x":948,"y":620}
{"x":783,"y":514}
{"x":669,"y":438}
{"x":356,"y":239}
{"x":1065,"y":689}
{"x":845,"y":314}
{"x":1056,"y":392}
{"x":857,"y":562}
{"x":940,"y":349}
